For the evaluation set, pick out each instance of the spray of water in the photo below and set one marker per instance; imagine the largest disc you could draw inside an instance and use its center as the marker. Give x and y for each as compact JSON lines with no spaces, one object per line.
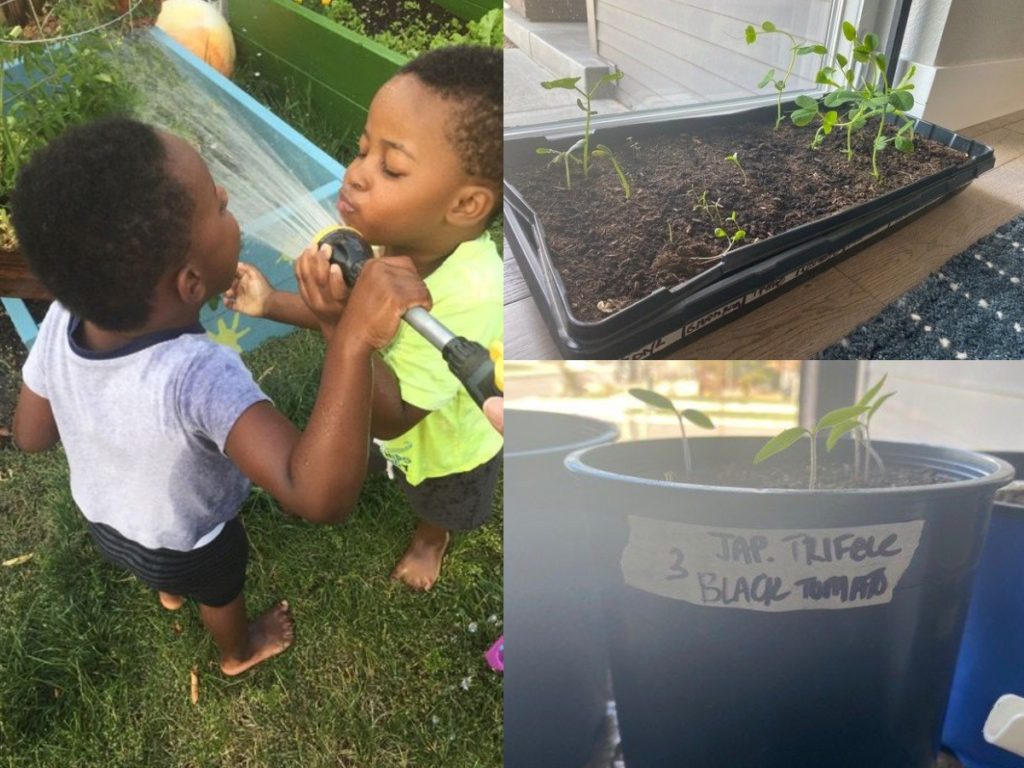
{"x":278,"y":195}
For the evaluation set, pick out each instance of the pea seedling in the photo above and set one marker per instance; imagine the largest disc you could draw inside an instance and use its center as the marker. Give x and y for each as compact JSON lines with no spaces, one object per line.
{"x":832,"y":420}
{"x":583,"y":145}
{"x":691,"y":415}
{"x":864,"y":96}
{"x":797,"y":48}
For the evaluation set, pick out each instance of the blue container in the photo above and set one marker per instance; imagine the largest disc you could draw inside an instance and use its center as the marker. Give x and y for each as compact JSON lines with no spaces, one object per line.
{"x":556,"y":670}
{"x":991,"y":659}
{"x":716,"y":667}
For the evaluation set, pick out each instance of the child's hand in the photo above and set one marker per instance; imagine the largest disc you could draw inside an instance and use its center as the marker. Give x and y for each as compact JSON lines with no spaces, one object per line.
{"x":322,"y":286}
{"x":386,"y":288}
{"x":249,"y":293}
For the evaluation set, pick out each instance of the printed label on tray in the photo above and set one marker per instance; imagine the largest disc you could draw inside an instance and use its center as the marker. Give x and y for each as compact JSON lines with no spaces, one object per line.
{"x":769,"y":569}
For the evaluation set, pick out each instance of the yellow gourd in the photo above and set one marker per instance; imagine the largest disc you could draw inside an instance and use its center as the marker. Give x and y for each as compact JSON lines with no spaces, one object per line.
{"x":199,"y":27}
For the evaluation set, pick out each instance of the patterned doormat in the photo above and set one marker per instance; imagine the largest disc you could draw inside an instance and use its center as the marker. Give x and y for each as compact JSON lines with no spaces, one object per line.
{"x":971,"y":309}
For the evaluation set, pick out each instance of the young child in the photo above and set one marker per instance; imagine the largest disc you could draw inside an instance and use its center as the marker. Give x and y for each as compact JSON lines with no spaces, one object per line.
{"x":425,"y":183}
{"x":163,"y":428}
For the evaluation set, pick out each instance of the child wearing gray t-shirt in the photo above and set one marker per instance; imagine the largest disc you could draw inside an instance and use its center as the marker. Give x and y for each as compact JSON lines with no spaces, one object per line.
{"x":163,"y":429}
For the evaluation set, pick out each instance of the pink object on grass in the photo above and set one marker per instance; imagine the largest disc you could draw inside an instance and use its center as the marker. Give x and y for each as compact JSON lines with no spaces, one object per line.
{"x":496,"y":655}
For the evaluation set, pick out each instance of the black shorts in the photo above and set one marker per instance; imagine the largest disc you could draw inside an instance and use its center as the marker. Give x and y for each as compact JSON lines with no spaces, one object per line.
{"x":459,"y":502}
{"x":213,"y":575}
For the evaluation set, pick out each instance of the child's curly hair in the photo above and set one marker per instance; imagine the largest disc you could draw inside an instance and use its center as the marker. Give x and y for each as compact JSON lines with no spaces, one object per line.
{"x":470,"y":75}
{"x":100,"y":219}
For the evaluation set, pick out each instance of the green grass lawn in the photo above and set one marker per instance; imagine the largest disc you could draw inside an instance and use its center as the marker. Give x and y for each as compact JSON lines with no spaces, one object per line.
{"x":93,"y":672}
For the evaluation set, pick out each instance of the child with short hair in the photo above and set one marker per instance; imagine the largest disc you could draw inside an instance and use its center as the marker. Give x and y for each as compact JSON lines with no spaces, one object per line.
{"x":425,"y":184}
{"x":163,"y":428}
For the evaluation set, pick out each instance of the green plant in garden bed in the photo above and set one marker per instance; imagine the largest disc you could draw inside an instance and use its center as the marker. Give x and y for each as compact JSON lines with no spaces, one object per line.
{"x":861,"y":89}
{"x":67,"y":84}
{"x":691,"y":415}
{"x":583,"y":145}
{"x":418,"y":30}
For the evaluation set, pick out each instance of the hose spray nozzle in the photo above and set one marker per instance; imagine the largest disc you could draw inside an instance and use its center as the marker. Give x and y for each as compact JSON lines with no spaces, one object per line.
{"x":469,"y":361}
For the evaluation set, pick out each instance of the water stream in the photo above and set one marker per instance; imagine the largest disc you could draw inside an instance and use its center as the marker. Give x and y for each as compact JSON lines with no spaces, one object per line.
{"x":279,"y":195}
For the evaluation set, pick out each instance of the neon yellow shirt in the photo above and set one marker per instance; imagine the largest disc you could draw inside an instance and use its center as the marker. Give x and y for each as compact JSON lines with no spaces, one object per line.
{"x":455,"y":436}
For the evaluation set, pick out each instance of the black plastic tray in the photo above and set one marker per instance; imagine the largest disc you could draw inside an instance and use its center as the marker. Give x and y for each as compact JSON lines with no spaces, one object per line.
{"x":747,"y":277}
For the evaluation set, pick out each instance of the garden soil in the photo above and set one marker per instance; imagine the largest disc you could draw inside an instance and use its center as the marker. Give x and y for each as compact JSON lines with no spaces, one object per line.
{"x":382,"y":15}
{"x":612,"y":252}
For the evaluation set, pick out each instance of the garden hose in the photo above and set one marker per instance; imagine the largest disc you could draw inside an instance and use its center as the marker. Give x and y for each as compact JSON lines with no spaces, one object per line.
{"x":470,"y":362}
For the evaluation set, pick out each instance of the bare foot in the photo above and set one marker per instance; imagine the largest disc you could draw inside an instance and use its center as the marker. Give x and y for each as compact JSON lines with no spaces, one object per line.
{"x":269,"y":635}
{"x":421,"y":564}
{"x":171,"y":602}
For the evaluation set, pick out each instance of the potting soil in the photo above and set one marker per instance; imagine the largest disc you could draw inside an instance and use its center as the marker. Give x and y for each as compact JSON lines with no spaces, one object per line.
{"x":612,"y":252}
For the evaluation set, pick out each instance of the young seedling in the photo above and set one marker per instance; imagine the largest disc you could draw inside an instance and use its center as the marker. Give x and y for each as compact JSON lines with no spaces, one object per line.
{"x":737,"y":235}
{"x":734,"y":158}
{"x":691,"y":415}
{"x":832,"y":420}
{"x":861,"y":428}
{"x":863,"y":90}
{"x":583,"y":101}
{"x":797,"y":48}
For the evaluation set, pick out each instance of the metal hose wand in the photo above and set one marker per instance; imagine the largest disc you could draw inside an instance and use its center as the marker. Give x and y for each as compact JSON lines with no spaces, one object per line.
{"x":468,"y":361}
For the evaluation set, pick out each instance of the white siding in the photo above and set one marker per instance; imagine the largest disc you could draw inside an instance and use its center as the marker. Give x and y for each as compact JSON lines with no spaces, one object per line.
{"x":962,"y":404}
{"x":683,"y":52}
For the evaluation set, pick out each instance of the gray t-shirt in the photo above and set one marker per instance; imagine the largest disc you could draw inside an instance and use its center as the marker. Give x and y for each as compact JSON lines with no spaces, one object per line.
{"x":144,"y":428}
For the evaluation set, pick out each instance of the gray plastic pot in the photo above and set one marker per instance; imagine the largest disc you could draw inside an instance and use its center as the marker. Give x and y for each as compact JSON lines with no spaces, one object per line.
{"x":782,"y":628}
{"x":556,"y":670}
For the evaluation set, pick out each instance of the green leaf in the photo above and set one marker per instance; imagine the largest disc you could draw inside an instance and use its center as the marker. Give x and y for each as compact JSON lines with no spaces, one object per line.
{"x":780,"y":442}
{"x":903,"y":144}
{"x":803,"y":50}
{"x":878,"y":404}
{"x":780,"y":85}
{"x":849,"y":31}
{"x":880,"y":61}
{"x":802,"y":117}
{"x":653,"y":399}
{"x":830,"y":118}
{"x":806,"y":102}
{"x":546,"y":151}
{"x":902,"y":100}
{"x":565,"y":82}
{"x":843,"y":61}
{"x":740,"y":234}
{"x":838,"y":98}
{"x":696,"y":417}
{"x":612,"y":77}
{"x":880,"y":142}
{"x":719,"y":232}
{"x":870,"y":394}
{"x":860,"y":55}
{"x":871,"y":41}
{"x":768,"y":26}
{"x":839,"y":415}
{"x":751,"y":34}
{"x":838,"y":431}
{"x":767,"y":78}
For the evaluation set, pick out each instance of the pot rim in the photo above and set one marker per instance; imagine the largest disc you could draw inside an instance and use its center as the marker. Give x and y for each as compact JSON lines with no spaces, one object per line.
{"x":997,"y":474}
{"x":605,"y":432}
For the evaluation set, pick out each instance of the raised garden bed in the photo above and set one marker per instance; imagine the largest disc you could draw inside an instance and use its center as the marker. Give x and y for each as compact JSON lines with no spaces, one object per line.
{"x":339,"y":68}
{"x":639,"y":277}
